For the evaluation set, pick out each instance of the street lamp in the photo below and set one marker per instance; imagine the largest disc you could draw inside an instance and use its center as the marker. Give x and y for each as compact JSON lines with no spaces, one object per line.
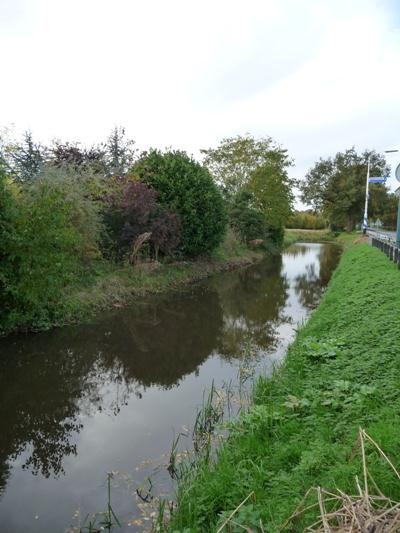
{"x":397,"y":192}
{"x":380,"y":179}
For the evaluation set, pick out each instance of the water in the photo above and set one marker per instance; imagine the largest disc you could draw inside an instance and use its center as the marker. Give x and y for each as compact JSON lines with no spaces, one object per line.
{"x":78,"y":402}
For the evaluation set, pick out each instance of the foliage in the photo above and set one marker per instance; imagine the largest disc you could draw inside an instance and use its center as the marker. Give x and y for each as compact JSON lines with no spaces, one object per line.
{"x":7,"y":241}
{"x":79,"y":159}
{"x":139,"y":213}
{"x":236,"y":158}
{"x":273,"y":197}
{"x":187,"y":189}
{"x":336,"y":187}
{"x":55,"y":233}
{"x":305,"y":220}
{"x":120,"y":152}
{"x":26,"y":159}
{"x":165,"y":231}
{"x":247,"y":221}
{"x":341,"y":373}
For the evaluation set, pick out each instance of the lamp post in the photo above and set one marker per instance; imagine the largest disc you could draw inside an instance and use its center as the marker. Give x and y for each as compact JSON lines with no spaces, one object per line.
{"x":397,"y":174}
{"x":365,"y":220}
{"x":381,"y":179}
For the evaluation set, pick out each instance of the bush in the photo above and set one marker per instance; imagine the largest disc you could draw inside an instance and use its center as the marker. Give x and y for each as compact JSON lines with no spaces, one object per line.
{"x":305,"y":220}
{"x":134,"y":211}
{"x":245,"y":220}
{"x":54,"y":229}
{"x":8,"y":238}
{"x":186,"y":187}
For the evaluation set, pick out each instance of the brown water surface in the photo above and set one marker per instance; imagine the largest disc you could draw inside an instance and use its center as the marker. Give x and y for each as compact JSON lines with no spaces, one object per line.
{"x":78,"y":402}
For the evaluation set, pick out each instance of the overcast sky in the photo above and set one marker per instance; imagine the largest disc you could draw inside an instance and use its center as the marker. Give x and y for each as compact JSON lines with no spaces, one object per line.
{"x":317,"y":75}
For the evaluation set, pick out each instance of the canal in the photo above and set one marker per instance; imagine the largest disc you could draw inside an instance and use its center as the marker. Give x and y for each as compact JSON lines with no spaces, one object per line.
{"x":78,"y":402}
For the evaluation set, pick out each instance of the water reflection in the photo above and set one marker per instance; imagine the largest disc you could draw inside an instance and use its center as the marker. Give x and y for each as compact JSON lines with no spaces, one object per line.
{"x":52,"y":383}
{"x":310,"y":284}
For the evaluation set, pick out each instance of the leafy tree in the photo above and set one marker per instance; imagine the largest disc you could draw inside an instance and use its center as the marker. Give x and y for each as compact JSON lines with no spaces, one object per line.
{"x":165,"y":231}
{"x":137,"y":212}
{"x":236,"y":158}
{"x":187,"y":188}
{"x":120,"y":152}
{"x":8,"y":238}
{"x":247,"y":221}
{"x":305,"y":220}
{"x":79,"y":159}
{"x":26,"y":159}
{"x":336,"y":187}
{"x":273,"y":196}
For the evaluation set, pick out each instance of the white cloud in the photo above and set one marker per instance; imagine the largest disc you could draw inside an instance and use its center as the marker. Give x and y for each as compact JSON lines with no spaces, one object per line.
{"x":317,"y":76}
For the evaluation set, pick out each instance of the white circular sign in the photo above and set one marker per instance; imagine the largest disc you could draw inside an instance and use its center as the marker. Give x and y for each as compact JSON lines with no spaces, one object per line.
{"x":397,"y":173}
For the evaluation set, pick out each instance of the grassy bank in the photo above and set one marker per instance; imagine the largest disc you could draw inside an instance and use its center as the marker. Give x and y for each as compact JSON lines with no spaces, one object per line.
{"x":117,"y":285}
{"x":307,"y":235}
{"x":342,"y":372}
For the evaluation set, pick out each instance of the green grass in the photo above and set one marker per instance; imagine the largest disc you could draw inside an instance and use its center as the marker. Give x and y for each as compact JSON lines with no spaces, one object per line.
{"x":342,"y":372}
{"x":116,"y":285}
{"x":303,"y":235}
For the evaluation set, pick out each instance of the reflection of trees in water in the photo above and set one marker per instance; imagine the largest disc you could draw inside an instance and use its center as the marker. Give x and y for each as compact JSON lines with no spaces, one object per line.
{"x":310,"y":285}
{"x":297,"y":249}
{"x":48,"y":380}
{"x":55,"y":377}
{"x":252,"y":301}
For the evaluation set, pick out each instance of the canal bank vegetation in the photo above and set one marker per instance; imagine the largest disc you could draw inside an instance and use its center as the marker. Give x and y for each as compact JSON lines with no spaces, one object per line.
{"x":82,"y":229}
{"x":302,"y":429}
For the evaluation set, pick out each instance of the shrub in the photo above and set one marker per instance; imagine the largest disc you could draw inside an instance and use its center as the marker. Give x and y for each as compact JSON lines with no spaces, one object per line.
{"x":55,"y":229}
{"x":186,"y":187}
{"x":135,"y":211}
{"x":7,"y":241}
{"x":247,"y":221}
{"x":305,"y":220}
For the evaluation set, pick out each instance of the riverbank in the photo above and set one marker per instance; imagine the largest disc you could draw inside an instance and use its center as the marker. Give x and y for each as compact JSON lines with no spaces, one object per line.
{"x":117,"y":285}
{"x":342,"y":372}
{"x":309,"y":235}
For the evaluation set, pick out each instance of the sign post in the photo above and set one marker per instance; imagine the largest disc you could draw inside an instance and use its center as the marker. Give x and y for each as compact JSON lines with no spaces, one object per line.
{"x":397,"y":174}
{"x":365,"y":221}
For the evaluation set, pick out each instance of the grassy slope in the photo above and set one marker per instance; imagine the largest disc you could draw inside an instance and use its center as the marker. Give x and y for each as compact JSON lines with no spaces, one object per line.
{"x":117,"y":285}
{"x":304,"y":235}
{"x":342,"y":372}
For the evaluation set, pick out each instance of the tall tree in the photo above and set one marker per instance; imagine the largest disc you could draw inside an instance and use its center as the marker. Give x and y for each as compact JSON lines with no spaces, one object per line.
{"x":335,"y":187}
{"x":120,"y":152}
{"x":233,"y":161}
{"x":26,"y":159}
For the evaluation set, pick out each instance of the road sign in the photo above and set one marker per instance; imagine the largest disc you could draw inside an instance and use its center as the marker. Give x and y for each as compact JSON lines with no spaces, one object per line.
{"x":397,"y":173}
{"x":377,"y":179}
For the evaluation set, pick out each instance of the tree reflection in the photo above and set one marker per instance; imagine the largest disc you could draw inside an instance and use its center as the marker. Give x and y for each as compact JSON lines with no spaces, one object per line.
{"x":310,"y":285}
{"x":253,"y":301}
{"x":50,"y":381}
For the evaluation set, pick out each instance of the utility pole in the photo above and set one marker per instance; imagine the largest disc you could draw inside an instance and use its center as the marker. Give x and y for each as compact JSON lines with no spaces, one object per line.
{"x":365,"y":221}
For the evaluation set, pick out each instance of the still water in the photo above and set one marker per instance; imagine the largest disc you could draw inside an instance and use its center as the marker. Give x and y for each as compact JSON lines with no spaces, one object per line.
{"x":78,"y":402}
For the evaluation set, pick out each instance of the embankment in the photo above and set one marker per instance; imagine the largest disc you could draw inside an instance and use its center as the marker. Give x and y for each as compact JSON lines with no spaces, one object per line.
{"x":341,"y":373}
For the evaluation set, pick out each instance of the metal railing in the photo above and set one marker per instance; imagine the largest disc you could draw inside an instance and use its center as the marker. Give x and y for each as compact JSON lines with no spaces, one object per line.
{"x":386,"y":244}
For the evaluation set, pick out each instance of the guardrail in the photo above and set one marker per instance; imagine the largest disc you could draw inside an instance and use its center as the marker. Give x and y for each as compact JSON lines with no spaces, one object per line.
{"x":384,"y":242}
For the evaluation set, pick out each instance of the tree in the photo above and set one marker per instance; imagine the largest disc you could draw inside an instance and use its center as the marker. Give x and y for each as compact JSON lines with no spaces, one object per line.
{"x":79,"y":159}
{"x":187,"y":188}
{"x":248,"y":222}
{"x":8,"y":237}
{"x":236,"y":158}
{"x":136,"y":213}
{"x":273,"y":197}
{"x":26,"y":159}
{"x":120,"y":152}
{"x":335,"y":187}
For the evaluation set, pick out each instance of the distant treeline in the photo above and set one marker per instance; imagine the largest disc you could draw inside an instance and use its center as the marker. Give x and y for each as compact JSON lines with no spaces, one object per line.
{"x":306,"y":220}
